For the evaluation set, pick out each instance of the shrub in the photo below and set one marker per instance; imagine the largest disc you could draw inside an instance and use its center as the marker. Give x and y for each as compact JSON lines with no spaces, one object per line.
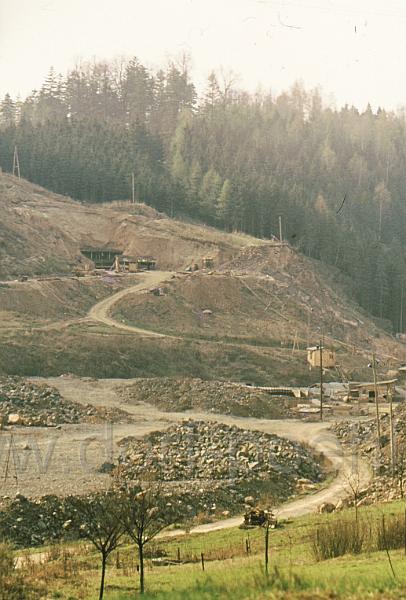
{"x":390,"y":532}
{"x":340,"y":537}
{"x":12,"y":584}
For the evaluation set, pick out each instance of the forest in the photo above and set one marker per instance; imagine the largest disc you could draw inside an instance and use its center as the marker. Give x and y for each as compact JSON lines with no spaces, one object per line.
{"x":228,"y":158}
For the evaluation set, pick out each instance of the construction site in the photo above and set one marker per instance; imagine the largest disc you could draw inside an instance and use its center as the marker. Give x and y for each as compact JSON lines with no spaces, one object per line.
{"x":135,"y":320}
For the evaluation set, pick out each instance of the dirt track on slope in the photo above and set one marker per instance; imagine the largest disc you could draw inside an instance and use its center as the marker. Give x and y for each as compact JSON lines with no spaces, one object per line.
{"x":101,"y":311}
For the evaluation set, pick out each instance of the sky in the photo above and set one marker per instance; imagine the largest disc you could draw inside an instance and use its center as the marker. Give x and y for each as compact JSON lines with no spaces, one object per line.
{"x":354,"y":50}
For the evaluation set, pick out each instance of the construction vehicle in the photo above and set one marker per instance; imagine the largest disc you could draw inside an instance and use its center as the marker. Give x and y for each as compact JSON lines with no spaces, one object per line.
{"x":133,"y":265}
{"x":83,"y":270}
{"x":258,"y":517}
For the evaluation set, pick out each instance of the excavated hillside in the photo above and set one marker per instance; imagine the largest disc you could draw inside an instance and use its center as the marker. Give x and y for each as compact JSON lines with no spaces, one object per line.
{"x":42,"y":232}
{"x":249,"y":319}
{"x":272,"y":297}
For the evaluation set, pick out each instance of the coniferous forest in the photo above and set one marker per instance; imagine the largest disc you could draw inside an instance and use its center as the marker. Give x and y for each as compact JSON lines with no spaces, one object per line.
{"x":229,"y":159}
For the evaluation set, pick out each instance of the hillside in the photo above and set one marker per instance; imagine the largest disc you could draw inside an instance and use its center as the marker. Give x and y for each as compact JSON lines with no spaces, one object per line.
{"x":271,"y":297}
{"x":249,"y":319}
{"x":227,"y":158}
{"x":42,"y":232}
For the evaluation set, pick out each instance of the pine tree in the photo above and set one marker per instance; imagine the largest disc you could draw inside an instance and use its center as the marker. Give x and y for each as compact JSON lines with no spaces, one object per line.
{"x":7,"y":112}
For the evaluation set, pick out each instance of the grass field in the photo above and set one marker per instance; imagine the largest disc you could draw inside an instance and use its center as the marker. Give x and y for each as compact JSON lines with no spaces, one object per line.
{"x":72,"y":572}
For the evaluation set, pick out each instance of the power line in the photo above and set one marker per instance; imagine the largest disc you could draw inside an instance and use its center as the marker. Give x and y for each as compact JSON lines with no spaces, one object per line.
{"x":16,"y":164}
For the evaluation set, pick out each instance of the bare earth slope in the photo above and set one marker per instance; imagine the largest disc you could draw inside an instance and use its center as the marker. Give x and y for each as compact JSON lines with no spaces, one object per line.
{"x":248,"y":320}
{"x":42,"y":232}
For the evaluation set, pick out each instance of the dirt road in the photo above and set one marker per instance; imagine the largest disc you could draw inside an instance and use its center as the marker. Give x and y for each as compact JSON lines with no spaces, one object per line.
{"x":318,"y":436}
{"x":101,"y":311}
{"x":70,"y":457}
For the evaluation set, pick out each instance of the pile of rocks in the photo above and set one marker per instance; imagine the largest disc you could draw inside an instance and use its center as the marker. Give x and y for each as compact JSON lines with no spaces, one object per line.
{"x":388,"y":484}
{"x":201,"y":453}
{"x":178,"y":395}
{"x":361,"y":436}
{"x":27,"y":522}
{"x":211,"y":470}
{"x":29,"y":404}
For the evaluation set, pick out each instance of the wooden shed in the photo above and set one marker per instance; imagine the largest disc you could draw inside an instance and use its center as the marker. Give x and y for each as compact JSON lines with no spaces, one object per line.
{"x":314,"y":354}
{"x":365,"y":392}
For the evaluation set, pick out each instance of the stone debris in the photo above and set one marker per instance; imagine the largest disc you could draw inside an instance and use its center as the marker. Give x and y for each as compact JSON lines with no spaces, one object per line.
{"x":326,"y":507}
{"x":28,"y":404}
{"x":361,"y":438}
{"x":28,"y":523}
{"x":178,"y":395}
{"x":211,"y":470}
{"x":208,"y":456}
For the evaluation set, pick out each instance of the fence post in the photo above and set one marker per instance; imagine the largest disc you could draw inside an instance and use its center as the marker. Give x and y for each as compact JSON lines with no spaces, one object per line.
{"x":405,"y":531}
{"x":266,"y":546}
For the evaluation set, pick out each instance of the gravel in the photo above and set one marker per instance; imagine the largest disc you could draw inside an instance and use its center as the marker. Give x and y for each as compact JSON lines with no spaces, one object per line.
{"x":28,"y":404}
{"x":178,"y":395}
{"x":209,"y":456}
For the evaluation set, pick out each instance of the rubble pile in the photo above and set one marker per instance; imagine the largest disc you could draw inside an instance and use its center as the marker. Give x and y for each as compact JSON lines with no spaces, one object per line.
{"x":28,"y":404}
{"x":361,"y":436}
{"x":265,"y":258}
{"x":210,"y":470}
{"x":27,"y":522}
{"x":178,"y":395}
{"x":388,"y":484}
{"x":202,"y":454}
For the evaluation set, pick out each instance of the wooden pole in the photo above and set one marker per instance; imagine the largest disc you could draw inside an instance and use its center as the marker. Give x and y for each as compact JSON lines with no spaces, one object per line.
{"x":267,"y":547}
{"x":280,"y":230}
{"x":405,"y":532}
{"x":133,"y":188}
{"x":392,"y":445}
{"x":202,"y":559}
{"x":378,"y":425}
{"x":321,"y":380}
{"x":16,"y":164}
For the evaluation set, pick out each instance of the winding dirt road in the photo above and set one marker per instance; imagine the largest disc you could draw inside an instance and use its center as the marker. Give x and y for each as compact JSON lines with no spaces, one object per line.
{"x":148,"y":418}
{"x":348,"y":468}
{"x":101,"y":311}
{"x":66,"y":471}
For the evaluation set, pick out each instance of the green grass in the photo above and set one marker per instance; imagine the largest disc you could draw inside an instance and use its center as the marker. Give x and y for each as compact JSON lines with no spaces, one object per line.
{"x":230,"y":573}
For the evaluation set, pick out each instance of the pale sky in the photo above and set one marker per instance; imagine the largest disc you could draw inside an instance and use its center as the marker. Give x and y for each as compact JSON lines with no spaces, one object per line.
{"x":355,"y":50}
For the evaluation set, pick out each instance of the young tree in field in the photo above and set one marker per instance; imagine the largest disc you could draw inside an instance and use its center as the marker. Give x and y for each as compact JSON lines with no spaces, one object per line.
{"x":354,"y":489}
{"x":144,"y":511}
{"x":96,"y":520}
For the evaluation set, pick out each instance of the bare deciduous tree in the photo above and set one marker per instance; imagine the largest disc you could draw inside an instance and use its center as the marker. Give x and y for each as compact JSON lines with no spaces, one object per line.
{"x":354,"y":489}
{"x":96,"y":519}
{"x":144,"y":511}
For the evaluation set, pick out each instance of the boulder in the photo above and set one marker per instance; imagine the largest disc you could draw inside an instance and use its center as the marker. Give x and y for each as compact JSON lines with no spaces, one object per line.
{"x":326,"y":507}
{"x":14,"y":419}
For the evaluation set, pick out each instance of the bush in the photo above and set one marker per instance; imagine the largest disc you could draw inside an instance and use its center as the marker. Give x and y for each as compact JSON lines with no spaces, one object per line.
{"x":12,"y":584}
{"x":390,"y":532}
{"x":340,"y":537}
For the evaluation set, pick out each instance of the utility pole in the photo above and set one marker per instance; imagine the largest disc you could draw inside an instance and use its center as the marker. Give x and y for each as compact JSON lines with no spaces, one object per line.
{"x":280,"y":230}
{"x":321,"y":379}
{"x":378,"y":425}
{"x":16,"y":164}
{"x":401,"y":308}
{"x":392,"y":444}
{"x":133,"y":188}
